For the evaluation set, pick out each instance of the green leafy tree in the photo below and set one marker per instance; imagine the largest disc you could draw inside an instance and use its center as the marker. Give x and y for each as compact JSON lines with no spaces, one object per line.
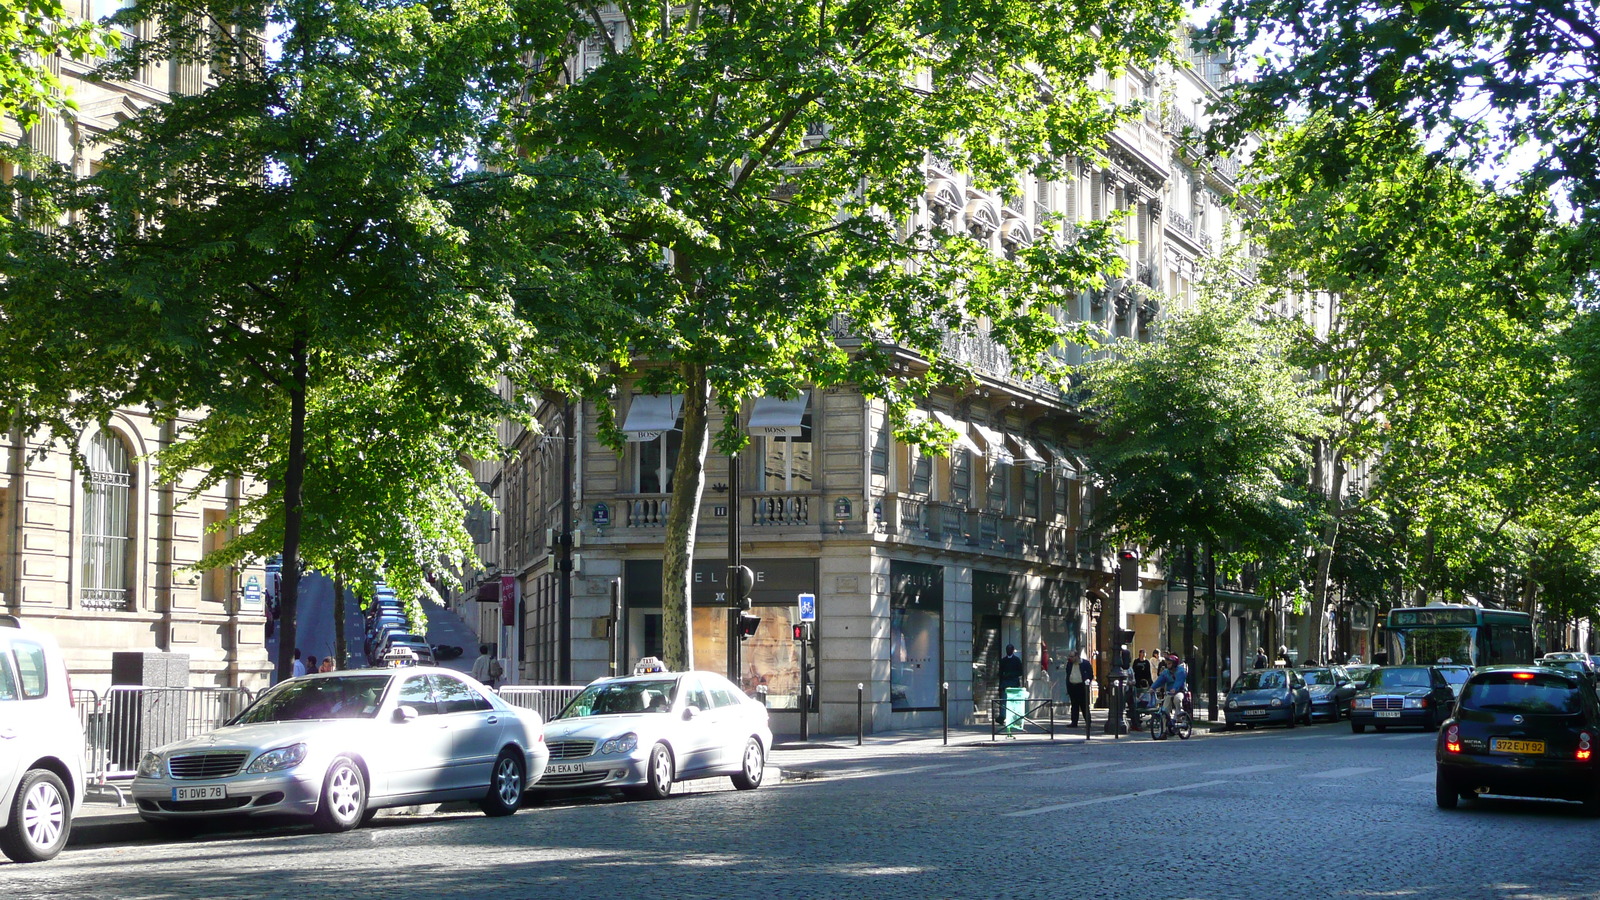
{"x":1202,"y":431}
{"x":795,"y":137}
{"x":1440,"y":297}
{"x":291,"y":253}
{"x":31,"y":32}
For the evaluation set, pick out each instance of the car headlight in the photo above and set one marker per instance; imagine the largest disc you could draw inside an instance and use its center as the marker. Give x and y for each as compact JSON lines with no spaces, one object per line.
{"x":1233,"y":704}
{"x":624,"y":744}
{"x":1277,"y":701}
{"x":150,"y":765}
{"x":278,"y":760}
{"x":1361,"y":703}
{"x":1416,"y":702}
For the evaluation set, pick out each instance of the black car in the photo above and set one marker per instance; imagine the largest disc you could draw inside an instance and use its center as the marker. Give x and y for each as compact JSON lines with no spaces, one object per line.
{"x":1331,"y":691}
{"x":1268,"y":697}
{"x":1526,"y":731}
{"x":1402,"y":695}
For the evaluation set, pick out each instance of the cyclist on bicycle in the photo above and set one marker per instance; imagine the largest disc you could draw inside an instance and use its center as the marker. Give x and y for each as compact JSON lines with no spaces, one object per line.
{"x":1175,"y":678}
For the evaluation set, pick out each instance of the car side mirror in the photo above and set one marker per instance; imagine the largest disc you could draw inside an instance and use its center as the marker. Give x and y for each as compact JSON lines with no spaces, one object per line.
{"x":689,"y":712}
{"x":404,"y":714}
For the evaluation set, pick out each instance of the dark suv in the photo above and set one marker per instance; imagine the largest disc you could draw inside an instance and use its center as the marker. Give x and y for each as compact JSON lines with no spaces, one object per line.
{"x":1527,"y":731}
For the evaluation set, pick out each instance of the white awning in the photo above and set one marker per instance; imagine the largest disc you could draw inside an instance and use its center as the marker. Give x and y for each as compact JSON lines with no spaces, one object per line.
{"x":1028,"y":450}
{"x":963,"y":438}
{"x":651,"y":415}
{"x":997,"y":444}
{"x":1069,"y":463}
{"x":773,"y":417}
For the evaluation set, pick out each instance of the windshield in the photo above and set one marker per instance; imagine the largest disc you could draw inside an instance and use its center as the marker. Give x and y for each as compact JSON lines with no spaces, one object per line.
{"x":1400,"y":678}
{"x":622,"y":697}
{"x":1505,"y":692}
{"x":1259,"y":681}
{"x":1359,"y":673}
{"x":1317,"y":676}
{"x":345,"y":697}
{"x":1456,"y":675}
{"x":1571,"y":665}
{"x":1425,"y":646}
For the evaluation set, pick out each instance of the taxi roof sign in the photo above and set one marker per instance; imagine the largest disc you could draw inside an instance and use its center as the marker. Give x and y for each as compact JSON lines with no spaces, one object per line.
{"x":400,"y":656}
{"x":648,"y":665}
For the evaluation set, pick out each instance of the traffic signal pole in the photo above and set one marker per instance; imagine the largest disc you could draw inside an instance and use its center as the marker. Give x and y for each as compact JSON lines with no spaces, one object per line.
{"x":734,"y":583}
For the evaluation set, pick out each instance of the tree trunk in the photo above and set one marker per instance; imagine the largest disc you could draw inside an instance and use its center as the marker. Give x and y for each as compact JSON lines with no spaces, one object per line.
{"x":338,"y":622}
{"x":294,"y":476}
{"x":1187,"y":654}
{"x":1211,"y":633}
{"x":688,"y":485}
{"x":1333,"y":500}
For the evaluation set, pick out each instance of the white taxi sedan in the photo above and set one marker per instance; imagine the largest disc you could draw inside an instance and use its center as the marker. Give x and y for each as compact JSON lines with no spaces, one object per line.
{"x":336,"y":747}
{"x":643,"y":732}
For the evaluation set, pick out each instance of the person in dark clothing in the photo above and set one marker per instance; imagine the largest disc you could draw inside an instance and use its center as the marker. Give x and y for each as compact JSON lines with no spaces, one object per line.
{"x":1141,"y":671}
{"x":1079,"y":673}
{"x":1261,"y":658}
{"x":1010,"y":668}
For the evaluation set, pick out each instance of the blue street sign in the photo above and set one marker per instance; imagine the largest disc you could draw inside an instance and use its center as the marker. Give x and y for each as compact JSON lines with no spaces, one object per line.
{"x":252,"y":591}
{"x":808,"y":607}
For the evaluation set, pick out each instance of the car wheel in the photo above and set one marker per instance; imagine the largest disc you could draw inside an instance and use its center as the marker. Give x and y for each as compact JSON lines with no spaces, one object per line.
{"x":1335,"y":712}
{"x":344,"y":797}
{"x":1357,"y":727}
{"x":41,"y":818}
{"x":1444,"y":793}
{"x":753,"y":768}
{"x":1291,"y":717}
{"x":505,"y":785}
{"x":658,"y":784}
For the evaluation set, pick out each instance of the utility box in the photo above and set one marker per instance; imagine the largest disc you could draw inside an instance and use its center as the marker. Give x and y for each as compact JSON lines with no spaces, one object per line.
{"x":147,"y":705}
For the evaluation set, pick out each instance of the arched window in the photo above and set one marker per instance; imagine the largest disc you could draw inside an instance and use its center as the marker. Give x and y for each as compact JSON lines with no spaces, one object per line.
{"x":107,"y":520}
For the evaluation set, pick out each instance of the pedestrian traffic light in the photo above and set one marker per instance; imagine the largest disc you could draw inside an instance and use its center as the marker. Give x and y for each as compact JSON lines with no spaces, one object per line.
{"x":748,"y":623}
{"x":802,"y":631}
{"x":1128,"y":560}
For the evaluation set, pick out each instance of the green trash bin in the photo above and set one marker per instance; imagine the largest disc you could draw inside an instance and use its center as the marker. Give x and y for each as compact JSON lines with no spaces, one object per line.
{"x":1016,"y":707}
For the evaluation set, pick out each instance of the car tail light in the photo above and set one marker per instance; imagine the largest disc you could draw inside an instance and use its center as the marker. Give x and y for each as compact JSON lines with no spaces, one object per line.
{"x":1522,"y":676}
{"x":1452,"y":739}
{"x":1584,"y":745}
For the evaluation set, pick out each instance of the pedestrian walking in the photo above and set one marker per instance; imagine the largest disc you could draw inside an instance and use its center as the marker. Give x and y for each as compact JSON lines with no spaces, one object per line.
{"x":1010,"y":668}
{"x":327,"y":664}
{"x":480,"y":666}
{"x":311,"y":663}
{"x":299,"y":664}
{"x":1261,"y":658}
{"x":1079,"y":673}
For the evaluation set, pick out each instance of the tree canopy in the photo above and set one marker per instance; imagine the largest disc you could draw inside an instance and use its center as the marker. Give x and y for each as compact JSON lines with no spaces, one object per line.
{"x":32,"y":31}
{"x":798,"y":138}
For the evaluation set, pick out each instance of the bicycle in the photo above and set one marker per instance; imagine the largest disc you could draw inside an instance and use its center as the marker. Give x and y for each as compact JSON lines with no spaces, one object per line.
{"x":1164,"y":722}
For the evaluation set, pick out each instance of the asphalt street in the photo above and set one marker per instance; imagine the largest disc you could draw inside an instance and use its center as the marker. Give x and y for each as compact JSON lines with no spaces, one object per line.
{"x":1313,"y":813}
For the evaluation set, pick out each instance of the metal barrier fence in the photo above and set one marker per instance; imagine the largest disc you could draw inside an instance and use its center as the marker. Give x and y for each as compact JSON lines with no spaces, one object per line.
{"x":122,"y":723}
{"x":545,"y":699}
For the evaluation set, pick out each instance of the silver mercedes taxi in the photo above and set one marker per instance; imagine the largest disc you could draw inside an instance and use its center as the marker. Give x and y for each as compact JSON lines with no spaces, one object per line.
{"x":643,"y":732}
{"x":336,"y":747}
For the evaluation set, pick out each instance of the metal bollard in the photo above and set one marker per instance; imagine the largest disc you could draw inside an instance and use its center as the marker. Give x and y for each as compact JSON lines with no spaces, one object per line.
{"x":944,"y":709}
{"x":860,"y":691}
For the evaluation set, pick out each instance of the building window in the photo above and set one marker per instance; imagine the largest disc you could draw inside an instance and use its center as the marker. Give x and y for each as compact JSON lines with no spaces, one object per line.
{"x":656,"y":459}
{"x":1030,"y":493}
{"x":214,"y":581}
{"x":788,"y":460}
{"x":107,"y":520}
{"x":999,"y":486}
{"x":961,"y":476}
{"x":921,"y":471}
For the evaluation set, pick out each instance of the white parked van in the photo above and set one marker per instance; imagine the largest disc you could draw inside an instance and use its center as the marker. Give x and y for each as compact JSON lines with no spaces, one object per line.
{"x":41,"y":745}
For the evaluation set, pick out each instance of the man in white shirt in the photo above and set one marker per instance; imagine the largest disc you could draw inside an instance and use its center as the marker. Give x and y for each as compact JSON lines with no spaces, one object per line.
{"x":480,"y":666}
{"x":299,"y":664}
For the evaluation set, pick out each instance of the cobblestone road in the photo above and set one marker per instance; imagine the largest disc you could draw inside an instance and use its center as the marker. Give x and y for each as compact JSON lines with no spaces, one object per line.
{"x":1309,"y":813}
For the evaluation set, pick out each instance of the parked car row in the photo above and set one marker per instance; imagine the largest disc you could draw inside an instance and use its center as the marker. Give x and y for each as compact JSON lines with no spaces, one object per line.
{"x":1379,"y":697}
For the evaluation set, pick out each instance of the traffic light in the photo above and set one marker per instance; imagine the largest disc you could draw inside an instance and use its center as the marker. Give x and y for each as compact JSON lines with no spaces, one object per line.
{"x":1128,"y":560}
{"x":802,"y":631}
{"x":748,"y":623}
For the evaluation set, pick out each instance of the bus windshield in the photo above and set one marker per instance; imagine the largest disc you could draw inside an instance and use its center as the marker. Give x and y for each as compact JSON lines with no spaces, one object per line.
{"x":1433,"y":646}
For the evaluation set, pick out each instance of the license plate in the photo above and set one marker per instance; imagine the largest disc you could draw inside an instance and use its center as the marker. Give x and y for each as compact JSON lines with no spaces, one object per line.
{"x":201,"y":792}
{"x":1255,"y":712}
{"x":564,"y":769}
{"x":1501,"y":745}
{"x":1388,"y":713}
